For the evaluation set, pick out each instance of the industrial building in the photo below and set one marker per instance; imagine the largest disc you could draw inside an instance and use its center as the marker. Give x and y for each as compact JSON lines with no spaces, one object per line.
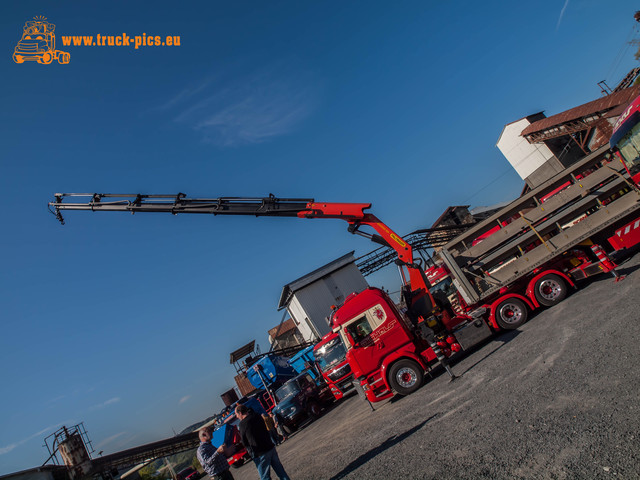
{"x":538,"y":147}
{"x":308,"y":299}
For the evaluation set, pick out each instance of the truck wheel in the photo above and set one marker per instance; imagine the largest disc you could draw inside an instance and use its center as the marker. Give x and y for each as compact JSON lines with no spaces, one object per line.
{"x":405,"y":376}
{"x":511,"y":313}
{"x":63,"y":58}
{"x":288,"y":430}
{"x":314,"y":410}
{"x":550,"y":289}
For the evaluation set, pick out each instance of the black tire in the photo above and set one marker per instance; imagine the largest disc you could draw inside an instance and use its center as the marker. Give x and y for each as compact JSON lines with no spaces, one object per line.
{"x":314,"y":410}
{"x":511,"y":314}
{"x":288,"y":430}
{"x":550,"y":290}
{"x":405,"y":376}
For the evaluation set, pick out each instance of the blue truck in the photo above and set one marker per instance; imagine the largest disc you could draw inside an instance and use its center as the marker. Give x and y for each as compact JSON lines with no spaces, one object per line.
{"x":305,"y":362}
{"x":270,"y":371}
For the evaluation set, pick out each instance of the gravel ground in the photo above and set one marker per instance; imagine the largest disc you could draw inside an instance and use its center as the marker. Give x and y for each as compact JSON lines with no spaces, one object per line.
{"x":557,"y":398}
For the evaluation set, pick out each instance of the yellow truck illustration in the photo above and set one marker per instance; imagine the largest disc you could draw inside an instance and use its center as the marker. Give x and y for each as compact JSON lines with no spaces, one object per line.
{"x":38,"y":43}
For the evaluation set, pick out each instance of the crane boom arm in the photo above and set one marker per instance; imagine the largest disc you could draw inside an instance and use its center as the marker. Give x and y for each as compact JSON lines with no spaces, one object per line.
{"x":271,"y":206}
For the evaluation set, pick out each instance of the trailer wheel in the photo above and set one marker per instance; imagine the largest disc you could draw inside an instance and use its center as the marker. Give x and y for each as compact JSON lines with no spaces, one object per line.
{"x":511,"y":313}
{"x":550,"y":289}
{"x":405,"y":376}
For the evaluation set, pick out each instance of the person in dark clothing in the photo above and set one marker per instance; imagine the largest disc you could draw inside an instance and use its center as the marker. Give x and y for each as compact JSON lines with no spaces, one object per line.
{"x":257,"y":441}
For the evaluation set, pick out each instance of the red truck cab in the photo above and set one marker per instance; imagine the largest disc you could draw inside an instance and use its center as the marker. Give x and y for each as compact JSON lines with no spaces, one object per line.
{"x":389,"y":353}
{"x":378,"y":338}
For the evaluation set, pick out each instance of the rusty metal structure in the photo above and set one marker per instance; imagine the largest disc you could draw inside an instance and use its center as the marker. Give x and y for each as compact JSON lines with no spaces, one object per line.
{"x":581,"y":119}
{"x":73,"y":446}
{"x":581,"y":130}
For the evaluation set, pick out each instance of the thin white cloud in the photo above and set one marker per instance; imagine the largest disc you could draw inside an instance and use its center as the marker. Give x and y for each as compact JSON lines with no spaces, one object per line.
{"x":247,"y":109}
{"x":184,"y":399}
{"x":110,"y":439}
{"x":9,"y":448}
{"x":105,"y":403}
{"x":564,"y":8}
{"x":56,"y":399}
{"x":186,"y":93}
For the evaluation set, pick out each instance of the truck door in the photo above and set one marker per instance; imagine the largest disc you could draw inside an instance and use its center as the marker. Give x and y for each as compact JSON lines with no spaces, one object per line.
{"x":373,"y":335}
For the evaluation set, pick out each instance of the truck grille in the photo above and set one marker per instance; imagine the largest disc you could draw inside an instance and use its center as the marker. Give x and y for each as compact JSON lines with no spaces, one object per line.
{"x":346,"y":384}
{"x":338,"y":373}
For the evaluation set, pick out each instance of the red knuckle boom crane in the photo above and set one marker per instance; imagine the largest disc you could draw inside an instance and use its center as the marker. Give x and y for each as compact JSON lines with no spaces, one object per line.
{"x":421,"y":327}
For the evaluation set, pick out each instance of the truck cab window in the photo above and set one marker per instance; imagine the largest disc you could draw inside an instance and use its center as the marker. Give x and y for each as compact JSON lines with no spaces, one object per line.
{"x":360,"y":329}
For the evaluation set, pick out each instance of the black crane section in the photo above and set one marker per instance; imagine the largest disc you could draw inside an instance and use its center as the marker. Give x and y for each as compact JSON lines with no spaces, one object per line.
{"x":180,"y":203}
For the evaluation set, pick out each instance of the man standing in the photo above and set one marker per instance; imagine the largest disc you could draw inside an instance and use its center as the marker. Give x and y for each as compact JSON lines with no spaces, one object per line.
{"x":257,"y":441}
{"x":212,"y":459}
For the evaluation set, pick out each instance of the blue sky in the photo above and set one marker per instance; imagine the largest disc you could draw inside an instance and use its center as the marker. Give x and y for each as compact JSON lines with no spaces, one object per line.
{"x":126,"y":322}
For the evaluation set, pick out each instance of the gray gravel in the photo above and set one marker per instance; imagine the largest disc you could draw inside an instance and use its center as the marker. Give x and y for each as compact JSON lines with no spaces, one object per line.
{"x":557,"y":398}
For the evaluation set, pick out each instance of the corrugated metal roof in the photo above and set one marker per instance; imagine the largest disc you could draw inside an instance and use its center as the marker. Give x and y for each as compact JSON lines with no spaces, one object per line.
{"x":317,"y":274}
{"x":599,"y":106}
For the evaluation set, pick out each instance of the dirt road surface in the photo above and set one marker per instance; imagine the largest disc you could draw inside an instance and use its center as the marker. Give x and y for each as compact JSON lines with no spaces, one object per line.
{"x":556,"y":399}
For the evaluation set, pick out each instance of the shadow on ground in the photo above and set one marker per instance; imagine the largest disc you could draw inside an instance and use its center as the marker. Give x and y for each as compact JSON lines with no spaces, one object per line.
{"x":388,"y":443}
{"x":503,"y":339}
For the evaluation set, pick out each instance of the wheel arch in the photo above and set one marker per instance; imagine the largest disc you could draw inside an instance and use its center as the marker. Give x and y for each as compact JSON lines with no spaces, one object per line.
{"x":532,"y":283}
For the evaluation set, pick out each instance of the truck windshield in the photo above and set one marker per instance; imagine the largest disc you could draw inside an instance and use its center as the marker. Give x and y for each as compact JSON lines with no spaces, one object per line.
{"x":288,"y":389}
{"x":330,"y":354}
{"x":629,"y":147}
{"x":445,"y":286}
